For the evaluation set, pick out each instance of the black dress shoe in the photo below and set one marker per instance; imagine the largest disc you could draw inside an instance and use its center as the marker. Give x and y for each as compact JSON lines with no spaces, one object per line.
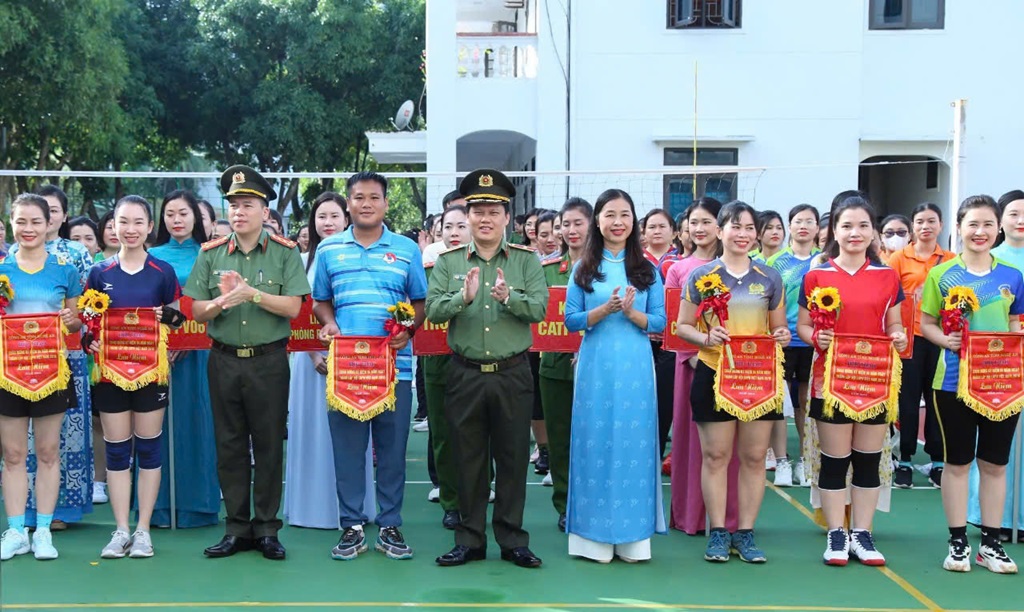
{"x":271,"y":548}
{"x":561,"y":522}
{"x":521,"y":556}
{"x":228,"y":546}
{"x":451,"y":519}
{"x":461,"y":555}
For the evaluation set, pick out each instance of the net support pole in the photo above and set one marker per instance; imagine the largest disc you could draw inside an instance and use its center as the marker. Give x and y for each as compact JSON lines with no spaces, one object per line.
{"x":957,"y":167}
{"x":1015,"y":489}
{"x":170,"y":456}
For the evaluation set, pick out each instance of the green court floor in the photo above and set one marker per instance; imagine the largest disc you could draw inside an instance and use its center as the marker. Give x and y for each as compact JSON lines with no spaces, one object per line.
{"x":794,"y":579}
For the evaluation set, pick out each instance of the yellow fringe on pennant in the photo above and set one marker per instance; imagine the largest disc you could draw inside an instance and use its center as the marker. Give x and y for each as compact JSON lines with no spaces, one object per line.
{"x":339,"y":405}
{"x":772,"y":405}
{"x":158,"y":375}
{"x":57,"y":384}
{"x":963,"y":394}
{"x":890,"y":407}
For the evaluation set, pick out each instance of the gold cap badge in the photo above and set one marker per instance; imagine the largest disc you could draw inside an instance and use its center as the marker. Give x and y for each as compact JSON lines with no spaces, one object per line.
{"x":486,"y":180}
{"x":238,"y":177}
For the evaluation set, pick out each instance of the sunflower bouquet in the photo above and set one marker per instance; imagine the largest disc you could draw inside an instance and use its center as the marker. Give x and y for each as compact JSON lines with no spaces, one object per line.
{"x":824,"y":305}
{"x":91,"y":306}
{"x":714,"y":299}
{"x":403,"y":319}
{"x":960,"y":302}
{"x":6,"y":293}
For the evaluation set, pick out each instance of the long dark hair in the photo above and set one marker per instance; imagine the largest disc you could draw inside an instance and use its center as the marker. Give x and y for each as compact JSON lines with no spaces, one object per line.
{"x":639,"y":271}
{"x":712,"y":207}
{"x":579,"y":204}
{"x":1004,"y":200}
{"x":761,"y":221}
{"x":52,"y":190}
{"x":977,"y":201}
{"x":163,"y":235}
{"x":853,"y":202}
{"x":314,"y":236}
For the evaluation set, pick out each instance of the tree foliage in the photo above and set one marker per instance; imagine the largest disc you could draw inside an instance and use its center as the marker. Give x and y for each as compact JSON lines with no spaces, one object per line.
{"x":283,"y":85}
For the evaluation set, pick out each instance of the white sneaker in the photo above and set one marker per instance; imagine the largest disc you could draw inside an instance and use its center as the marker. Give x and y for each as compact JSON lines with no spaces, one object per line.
{"x":783,"y":473}
{"x":42,"y":545}
{"x":142,"y":545}
{"x":548,"y":482}
{"x":862,"y":546}
{"x":117,"y":548}
{"x":959,"y":557}
{"x":99,"y":493}
{"x":802,"y":473}
{"x":423,"y":425}
{"x":995,"y":559}
{"x":434,"y":496}
{"x":769,"y":460}
{"x":14,"y":542}
{"x":837,"y":552}
{"x":535,"y":454}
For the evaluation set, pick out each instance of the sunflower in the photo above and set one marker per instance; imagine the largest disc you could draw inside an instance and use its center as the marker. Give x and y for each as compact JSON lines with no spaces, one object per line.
{"x":963,"y":298}
{"x":85,"y":300}
{"x":710,"y":283}
{"x":100,"y":302}
{"x":6,"y":289}
{"x":826,"y":298}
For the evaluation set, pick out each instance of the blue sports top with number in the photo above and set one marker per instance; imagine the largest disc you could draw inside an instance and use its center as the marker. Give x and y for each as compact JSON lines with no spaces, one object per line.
{"x":42,"y":290}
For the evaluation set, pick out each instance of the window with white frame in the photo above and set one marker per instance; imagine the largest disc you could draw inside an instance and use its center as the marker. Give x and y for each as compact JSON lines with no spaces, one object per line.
{"x":703,"y":13}
{"x":681,"y":188}
{"x":907,"y":14}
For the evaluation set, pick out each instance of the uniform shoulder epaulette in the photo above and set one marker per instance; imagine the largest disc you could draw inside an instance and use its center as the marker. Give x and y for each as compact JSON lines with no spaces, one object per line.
{"x":428,"y":266}
{"x":291,"y":244}
{"x":216,"y":242}
{"x":522,"y":247}
{"x":453,"y":249}
{"x":551,"y":261}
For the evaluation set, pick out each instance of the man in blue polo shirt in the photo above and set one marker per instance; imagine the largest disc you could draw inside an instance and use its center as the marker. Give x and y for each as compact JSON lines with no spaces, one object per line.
{"x":359,"y":274}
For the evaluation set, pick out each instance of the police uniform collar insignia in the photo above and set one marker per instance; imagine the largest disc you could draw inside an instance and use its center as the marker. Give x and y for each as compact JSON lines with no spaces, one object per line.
{"x":564,"y":267}
{"x":486,"y":180}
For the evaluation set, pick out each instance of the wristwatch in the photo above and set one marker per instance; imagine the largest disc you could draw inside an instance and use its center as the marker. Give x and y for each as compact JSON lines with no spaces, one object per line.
{"x":257,"y":298}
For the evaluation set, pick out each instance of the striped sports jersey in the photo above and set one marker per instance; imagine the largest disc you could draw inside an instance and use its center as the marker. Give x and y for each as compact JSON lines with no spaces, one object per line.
{"x":362,"y":282}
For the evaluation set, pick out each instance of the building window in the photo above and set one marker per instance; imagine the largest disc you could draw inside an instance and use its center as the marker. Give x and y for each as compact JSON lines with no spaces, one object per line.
{"x":679,"y":188}
{"x":703,"y":13}
{"x":907,"y":14}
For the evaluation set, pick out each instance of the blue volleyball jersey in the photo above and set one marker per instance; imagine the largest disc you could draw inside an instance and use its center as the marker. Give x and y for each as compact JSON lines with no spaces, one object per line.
{"x":42,"y":290}
{"x":154,"y":285}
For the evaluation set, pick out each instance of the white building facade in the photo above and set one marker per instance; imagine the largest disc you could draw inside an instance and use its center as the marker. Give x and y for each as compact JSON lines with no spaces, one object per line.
{"x":816,"y":93}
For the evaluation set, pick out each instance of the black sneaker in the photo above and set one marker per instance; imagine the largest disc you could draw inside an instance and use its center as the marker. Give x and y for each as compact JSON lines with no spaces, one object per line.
{"x":352,"y":543}
{"x":391,"y":543}
{"x":935,"y":476}
{"x":542,"y":465}
{"x":903,"y":478}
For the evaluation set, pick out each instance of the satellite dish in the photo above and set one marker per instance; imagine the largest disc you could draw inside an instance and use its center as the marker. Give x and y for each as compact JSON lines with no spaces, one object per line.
{"x":404,"y":115}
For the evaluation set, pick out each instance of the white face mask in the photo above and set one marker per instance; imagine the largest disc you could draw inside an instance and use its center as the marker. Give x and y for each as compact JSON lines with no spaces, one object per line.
{"x":896,"y":243}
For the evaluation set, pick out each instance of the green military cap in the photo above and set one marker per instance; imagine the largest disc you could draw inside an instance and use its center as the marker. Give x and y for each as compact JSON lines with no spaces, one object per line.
{"x":243,"y":180}
{"x":487,"y":186}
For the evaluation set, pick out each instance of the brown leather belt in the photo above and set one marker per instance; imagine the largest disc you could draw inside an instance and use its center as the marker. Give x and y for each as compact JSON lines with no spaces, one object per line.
{"x":490,"y":367}
{"x":245,"y":352}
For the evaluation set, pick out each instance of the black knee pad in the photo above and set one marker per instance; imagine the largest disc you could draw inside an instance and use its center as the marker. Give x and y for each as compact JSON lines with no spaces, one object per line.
{"x":865,"y":469}
{"x":832,"y":476}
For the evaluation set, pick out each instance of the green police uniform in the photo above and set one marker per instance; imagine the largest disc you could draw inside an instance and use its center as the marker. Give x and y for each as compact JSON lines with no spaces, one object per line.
{"x":248,"y":368}
{"x":490,"y":389}
{"x":556,"y":387}
{"x":435,"y":378}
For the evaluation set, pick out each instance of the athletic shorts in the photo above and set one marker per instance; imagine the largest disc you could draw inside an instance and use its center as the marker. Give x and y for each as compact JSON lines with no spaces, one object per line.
{"x":798,"y":363}
{"x":17,"y":407}
{"x":817,"y":412}
{"x":702,"y":400}
{"x":963,"y":430}
{"x":109,"y":398}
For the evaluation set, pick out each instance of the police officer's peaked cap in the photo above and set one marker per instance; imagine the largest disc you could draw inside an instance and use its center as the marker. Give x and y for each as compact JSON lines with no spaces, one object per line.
{"x":243,"y":180}
{"x":487,"y":187}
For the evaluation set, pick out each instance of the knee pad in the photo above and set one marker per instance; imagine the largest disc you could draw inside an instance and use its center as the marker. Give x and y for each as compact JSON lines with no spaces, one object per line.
{"x":832,"y":476}
{"x":119,"y":455}
{"x":865,"y":469}
{"x":149,"y":452}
